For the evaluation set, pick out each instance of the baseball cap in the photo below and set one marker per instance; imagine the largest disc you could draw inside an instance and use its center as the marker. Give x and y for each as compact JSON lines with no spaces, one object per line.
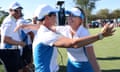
{"x":15,"y":5}
{"x":44,"y":10}
{"x":76,"y":12}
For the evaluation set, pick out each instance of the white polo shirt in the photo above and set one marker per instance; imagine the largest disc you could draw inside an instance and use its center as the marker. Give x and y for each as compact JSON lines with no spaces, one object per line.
{"x":78,"y":54}
{"x":44,"y":54}
{"x":7,"y":29}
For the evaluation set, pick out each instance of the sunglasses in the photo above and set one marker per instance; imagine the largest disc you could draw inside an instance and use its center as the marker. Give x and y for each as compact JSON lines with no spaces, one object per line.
{"x":18,"y":10}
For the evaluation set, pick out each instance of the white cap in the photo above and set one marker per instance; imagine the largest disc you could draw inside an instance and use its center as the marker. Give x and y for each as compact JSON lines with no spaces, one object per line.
{"x":15,"y":5}
{"x":44,"y":10}
{"x":77,"y":12}
{"x":36,"y":12}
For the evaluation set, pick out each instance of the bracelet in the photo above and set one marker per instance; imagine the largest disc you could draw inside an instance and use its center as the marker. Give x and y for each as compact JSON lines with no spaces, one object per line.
{"x":100,"y":36}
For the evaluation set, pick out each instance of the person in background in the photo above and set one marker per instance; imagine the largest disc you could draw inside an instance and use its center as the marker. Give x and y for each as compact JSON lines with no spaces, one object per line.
{"x":27,"y":37}
{"x":47,"y":40}
{"x":34,"y":21}
{"x":33,"y":26}
{"x":11,"y":44}
{"x":81,"y":59}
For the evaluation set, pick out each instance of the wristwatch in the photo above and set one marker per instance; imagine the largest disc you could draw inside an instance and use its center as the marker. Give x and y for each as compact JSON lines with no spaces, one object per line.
{"x":100,"y":36}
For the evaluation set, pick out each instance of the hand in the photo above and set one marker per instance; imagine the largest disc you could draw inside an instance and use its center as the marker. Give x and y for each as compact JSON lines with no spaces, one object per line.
{"x":21,"y":44}
{"x":108,"y":30}
{"x":18,"y":27}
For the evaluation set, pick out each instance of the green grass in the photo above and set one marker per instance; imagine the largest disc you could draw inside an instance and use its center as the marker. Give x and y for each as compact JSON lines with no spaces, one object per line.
{"x":1,"y":68}
{"x":107,"y":53}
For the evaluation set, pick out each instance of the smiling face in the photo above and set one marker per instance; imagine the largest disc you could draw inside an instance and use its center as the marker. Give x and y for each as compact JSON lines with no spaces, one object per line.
{"x":17,"y":13}
{"x":74,"y":21}
{"x":77,"y":17}
{"x":50,"y":20}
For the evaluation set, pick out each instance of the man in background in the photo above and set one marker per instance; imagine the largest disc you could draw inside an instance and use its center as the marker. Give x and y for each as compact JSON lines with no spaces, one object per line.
{"x":11,"y":43}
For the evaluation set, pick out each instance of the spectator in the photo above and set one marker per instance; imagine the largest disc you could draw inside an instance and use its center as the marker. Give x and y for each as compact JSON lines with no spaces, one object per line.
{"x":11,"y":43}
{"x":27,"y":37}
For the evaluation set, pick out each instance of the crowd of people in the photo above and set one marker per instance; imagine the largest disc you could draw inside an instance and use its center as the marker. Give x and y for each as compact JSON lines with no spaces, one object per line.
{"x":26,"y":44}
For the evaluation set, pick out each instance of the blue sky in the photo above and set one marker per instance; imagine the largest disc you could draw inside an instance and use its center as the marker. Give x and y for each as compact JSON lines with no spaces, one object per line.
{"x":109,"y":4}
{"x":30,"y":5}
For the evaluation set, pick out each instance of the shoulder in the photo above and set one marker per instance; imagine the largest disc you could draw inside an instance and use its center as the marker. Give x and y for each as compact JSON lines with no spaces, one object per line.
{"x":21,"y":20}
{"x":82,"y":31}
{"x":62,"y":28}
{"x":7,"y":21}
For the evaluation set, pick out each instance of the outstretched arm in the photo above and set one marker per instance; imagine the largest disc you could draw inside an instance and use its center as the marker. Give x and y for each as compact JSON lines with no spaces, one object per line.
{"x":79,"y":42}
{"x":27,"y":26}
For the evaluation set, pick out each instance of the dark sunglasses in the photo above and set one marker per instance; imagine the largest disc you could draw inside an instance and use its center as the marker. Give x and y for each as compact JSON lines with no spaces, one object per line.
{"x":18,"y":9}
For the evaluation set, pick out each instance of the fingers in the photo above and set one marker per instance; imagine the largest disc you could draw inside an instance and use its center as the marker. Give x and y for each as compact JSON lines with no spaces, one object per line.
{"x":108,"y":30}
{"x":22,"y":44}
{"x":111,"y":28}
{"x":16,"y":29}
{"x":105,"y":27}
{"x":113,"y":31}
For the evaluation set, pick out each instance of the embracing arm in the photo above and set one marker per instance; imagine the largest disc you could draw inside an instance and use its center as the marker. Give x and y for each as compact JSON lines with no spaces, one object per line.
{"x":79,"y":42}
{"x":9,"y":40}
{"x":27,"y":26}
{"x":75,"y":43}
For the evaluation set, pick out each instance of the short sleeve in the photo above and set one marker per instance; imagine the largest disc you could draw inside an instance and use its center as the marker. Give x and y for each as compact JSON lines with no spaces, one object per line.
{"x":6,"y":29}
{"x":48,"y":38}
{"x":82,"y":32}
{"x":53,"y":38}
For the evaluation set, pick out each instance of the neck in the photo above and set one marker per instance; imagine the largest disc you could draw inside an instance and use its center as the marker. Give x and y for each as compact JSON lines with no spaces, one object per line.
{"x":73,"y":31}
{"x":50,"y":27}
{"x":74,"y":28}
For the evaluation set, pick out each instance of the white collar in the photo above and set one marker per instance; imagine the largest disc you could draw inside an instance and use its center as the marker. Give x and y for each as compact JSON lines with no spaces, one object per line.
{"x":43,"y":28}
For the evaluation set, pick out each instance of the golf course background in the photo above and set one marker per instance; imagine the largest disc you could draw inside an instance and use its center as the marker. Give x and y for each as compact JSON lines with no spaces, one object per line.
{"x":107,"y":52}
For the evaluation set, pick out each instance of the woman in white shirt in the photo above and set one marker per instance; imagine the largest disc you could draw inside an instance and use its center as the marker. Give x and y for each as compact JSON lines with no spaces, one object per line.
{"x":80,"y":59}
